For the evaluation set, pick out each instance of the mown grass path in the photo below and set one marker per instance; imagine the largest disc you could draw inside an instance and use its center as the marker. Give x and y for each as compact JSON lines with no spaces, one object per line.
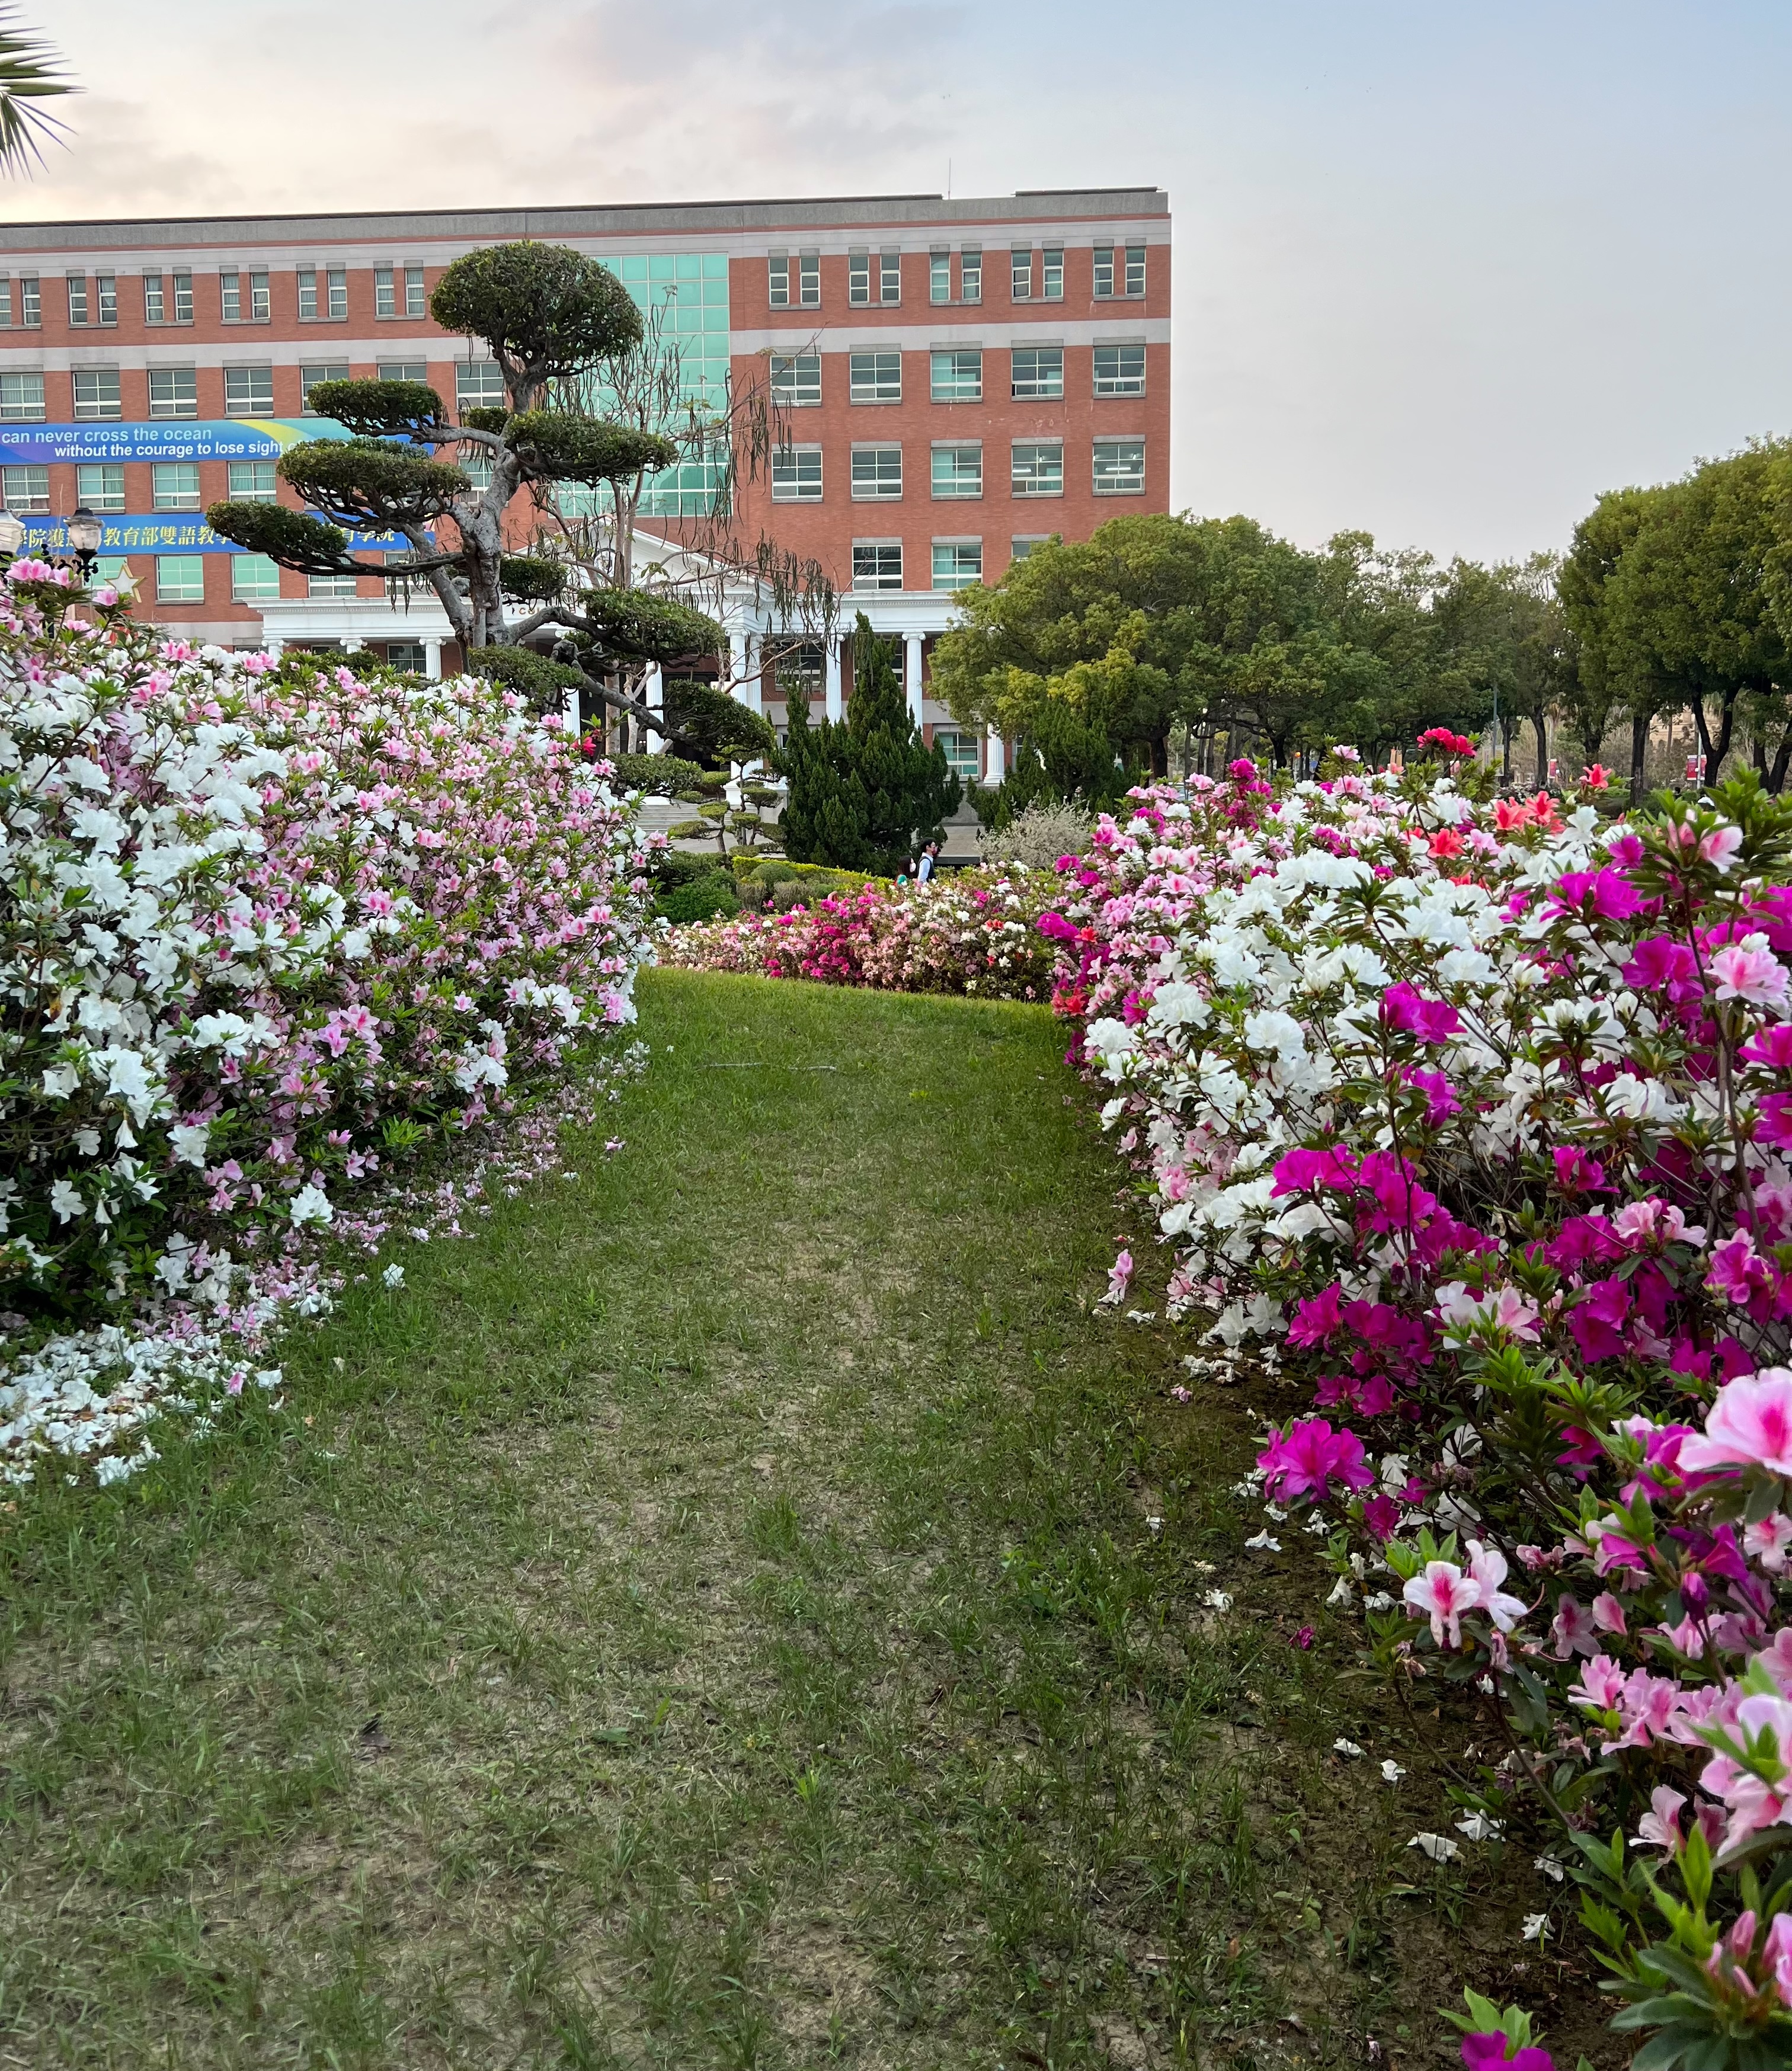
{"x":712,"y":1619}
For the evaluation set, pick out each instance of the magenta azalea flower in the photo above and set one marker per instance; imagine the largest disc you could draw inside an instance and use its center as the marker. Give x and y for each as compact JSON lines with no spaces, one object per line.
{"x":1431,"y":1020}
{"x":1308,"y":1458}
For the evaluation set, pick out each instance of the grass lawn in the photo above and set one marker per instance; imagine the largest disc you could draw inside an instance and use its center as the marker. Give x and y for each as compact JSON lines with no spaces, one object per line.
{"x":713,"y":1618}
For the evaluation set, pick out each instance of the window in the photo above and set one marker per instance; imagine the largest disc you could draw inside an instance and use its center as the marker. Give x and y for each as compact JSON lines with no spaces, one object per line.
{"x":797,"y":379}
{"x":112,"y":568}
{"x":5,"y":300}
{"x":778,"y":270}
{"x":308,"y":291}
{"x":407,"y":654}
{"x":1036,"y":372}
{"x":1038,"y":468}
{"x":252,"y":481}
{"x":889,"y":276}
{"x":1104,"y":270}
{"x":939,"y":276}
{"x":1051,"y":274}
{"x":796,"y":474}
{"x":404,"y":370}
{"x":385,"y":292}
{"x":957,"y":563}
{"x":957,"y":472}
{"x":183,"y":299}
{"x":329,"y":370}
{"x":96,"y":391}
{"x":1120,"y":467}
{"x":858,"y":278}
{"x":31,"y":301}
{"x":26,"y":488}
{"x":248,"y":391}
{"x":337,"y":587}
{"x":1120,"y":370}
{"x":809,"y":280}
{"x":877,"y":473}
{"x":971,"y":274}
{"x":413,"y":291}
{"x":1023,"y":543}
{"x":962,"y":756}
{"x":336,"y":281}
{"x":100,"y":485}
{"x":230,"y":294}
{"x":479,"y":385}
{"x":105,"y":290}
{"x":254,"y":578}
{"x":175,"y":484}
{"x":155,"y":306}
{"x":180,"y":579}
{"x":877,"y":564}
{"x":1020,"y":274}
{"x":77,"y":298}
{"x":957,"y":377}
{"x":174,"y":393}
{"x":261,"y":307}
{"x":875,"y":377}
{"x":1135,"y":269}
{"x":21,"y":398}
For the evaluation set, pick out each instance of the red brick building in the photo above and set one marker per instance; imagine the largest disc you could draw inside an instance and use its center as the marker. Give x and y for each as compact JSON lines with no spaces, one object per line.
{"x":963,"y":379}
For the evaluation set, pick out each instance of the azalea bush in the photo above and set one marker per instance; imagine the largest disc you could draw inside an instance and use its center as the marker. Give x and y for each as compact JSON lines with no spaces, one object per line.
{"x":973,"y":931}
{"x":1474,"y":1116}
{"x":265,"y":932}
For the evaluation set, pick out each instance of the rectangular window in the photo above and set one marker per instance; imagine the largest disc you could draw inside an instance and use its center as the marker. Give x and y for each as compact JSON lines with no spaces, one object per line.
{"x":100,"y":485}
{"x":248,"y":391}
{"x":175,"y":484}
{"x":308,"y":291}
{"x":1120,"y":467}
{"x":796,"y":378}
{"x":875,"y":377}
{"x":413,"y":291}
{"x":889,"y":276}
{"x":1038,"y":468}
{"x":155,"y":306}
{"x":261,"y":307}
{"x":877,"y":473}
{"x":1023,"y":543}
{"x":385,"y":292}
{"x":796,"y":474}
{"x":254,"y":578}
{"x":957,"y":472}
{"x":174,"y":393}
{"x":858,"y":278}
{"x":877,"y":564}
{"x":1020,"y":274}
{"x":971,"y":274}
{"x":5,"y":300}
{"x":778,"y":272}
{"x":962,"y":756}
{"x":404,"y":370}
{"x":1051,"y":274}
{"x":809,"y":280}
{"x":252,"y":481}
{"x":97,"y":392}
{"x":1036,"y":372}
{"x":180,"y":579}
{"x":479,"y":385}
{"x":230,"y":295}
{"x":957,"y":377}
{"x":26,"y":489}
{"x":22,"y":398}
{"x":183,"y":299}
{"x":1120,"y":370}
{"x":336,"y":282}
{"x":939,"y":276}
{"x":1104,"y":270}
{"x":1135,"y":269}
{"x":31,"y":301}
{"x":77,"y":298}
{"x":105,"y":290}
{"x":329,"y":370}
{"x":112,"y":568}
{"x":335,"y":586}
{"x":957,"y":563}
{"x":407,"y":654}
{"x":477,"y":467}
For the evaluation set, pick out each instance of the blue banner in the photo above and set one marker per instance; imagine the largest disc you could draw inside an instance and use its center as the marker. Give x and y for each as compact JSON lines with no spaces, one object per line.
{"x":229,"y":438}
{"x":166,"y":532}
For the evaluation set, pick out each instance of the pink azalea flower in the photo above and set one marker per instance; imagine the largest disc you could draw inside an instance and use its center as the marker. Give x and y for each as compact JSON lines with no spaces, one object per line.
{"x":1756,"y":975}
{"x":1573,"y":1628}
{"x":1608,"y":1615}
{"x":1749,"y":1425}
{"x":1120,"y":1276}
{"x":1601,"y":1688}
{"x":1487,"y":1569}
{"x":1721,"y":848}
{"x":1659,"y":1828}
{"x":1768,"y":1540}
{"x":1444,"y":1593}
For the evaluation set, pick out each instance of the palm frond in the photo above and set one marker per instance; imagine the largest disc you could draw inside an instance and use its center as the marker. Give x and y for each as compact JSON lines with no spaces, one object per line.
{"x":30,"y":72}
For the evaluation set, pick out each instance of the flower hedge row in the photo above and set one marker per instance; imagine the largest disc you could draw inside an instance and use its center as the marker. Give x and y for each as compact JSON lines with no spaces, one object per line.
{"x":1476,"y":1118}
{"x":263,"y":932}
{"x":973,"y":931}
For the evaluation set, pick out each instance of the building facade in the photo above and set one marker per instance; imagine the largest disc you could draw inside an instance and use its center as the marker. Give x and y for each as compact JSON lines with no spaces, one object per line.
{"x":956,"y":380}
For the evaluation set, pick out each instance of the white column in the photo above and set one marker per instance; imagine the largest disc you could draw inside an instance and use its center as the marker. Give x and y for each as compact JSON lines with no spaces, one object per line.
{"x":654,"y":696}
{"x":273,"y":648}
{"x":911,"y":672}
{"x":747,"y":686}
{"x":433,"y":660}
{"x":834,"y":706}
{"x":352,"y":643}
{"x":994,"y":759}
{"x":569,"y":711}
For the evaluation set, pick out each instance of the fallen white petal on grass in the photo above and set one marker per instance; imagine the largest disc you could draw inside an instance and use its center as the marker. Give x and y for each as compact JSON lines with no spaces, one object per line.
{"x":1344,"y":1747}
{"x":1436,"y":1847}
{"x":1392,"y":1772}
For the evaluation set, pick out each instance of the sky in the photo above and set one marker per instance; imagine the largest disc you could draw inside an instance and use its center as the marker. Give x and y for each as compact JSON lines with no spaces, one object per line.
{"x":1443,"y":273}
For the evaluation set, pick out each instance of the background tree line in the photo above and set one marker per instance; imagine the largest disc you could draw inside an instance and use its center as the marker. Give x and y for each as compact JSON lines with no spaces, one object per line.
{"x":1194,"y":639}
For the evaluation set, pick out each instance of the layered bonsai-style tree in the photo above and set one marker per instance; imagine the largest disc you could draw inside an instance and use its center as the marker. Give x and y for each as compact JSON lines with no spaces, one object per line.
{"x":554,"y":321}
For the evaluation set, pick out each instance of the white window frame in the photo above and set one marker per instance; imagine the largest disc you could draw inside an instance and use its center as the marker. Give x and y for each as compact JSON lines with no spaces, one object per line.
{"x":174,"y":486}
{"x":77,"y":302}
{"x":956,"y":546}
{"x":262,"y":303}
{"x":173,"y":403}
{"x":963,"y":751}
{"x":777,"y":279}
{"x":1133,"y":279}
{"x":416,"y":301}
{"x":1114,"y":484}
{"x":1029,"y":486}
{"x":808,"y":279}
{"x":26,"y":488}
{"x":335,"y":281}
{"x":1117,"y":383}
{"x":1020,"y":274}
{"x":230,"y":295}
{"x":879,"y":547}
{"x":385,"y":293}
{"x":1051,"y":274}
{"x":1038,"y":387}
{"x":889,"y":278}
{"x":859,"y":279}
{"x":466,"y":400}
{"x":939,"y":274}
{"x":332,"y":589}
{"x":855,"y":392}
{"x":874,"y":484}
{"x":262,"y":566}
{"x":796,"y":474}
{"x":18,"y":404}
{"x":403,"y":370}
{"x":954,"y":352}
{"x":105,"y":496}
{"x":184,"y":297}
{"x":155,"y":301}
{"x":956,"y":489}
{"x":99,"y":407}
{"x":970,"y":273}
{"x":165,"y":595}
{"x":313,"y":371}
{"x":1102,"y":272}
{"x":249,"y":377}
{"x":797,"y":380}
{"x":105,"y":298}
{"x":308,"y":294}
{"x":31,"y":302}
{"x":262,"y":489}
{"x":1022,"y":544}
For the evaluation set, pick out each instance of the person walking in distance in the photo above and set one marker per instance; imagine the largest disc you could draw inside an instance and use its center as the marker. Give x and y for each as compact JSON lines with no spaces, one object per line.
{"x":924,"y":869}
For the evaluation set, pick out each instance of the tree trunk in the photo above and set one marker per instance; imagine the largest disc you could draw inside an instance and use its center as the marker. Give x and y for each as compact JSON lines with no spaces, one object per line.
{"x":1639,"y":742}
{"x":1776,"y":777}
{"x":1714,"y":751}
{"x":1542,"y":727}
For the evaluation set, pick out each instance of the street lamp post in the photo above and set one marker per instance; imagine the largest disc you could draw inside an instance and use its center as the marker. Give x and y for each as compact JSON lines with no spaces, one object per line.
{"x":85,"y":533}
